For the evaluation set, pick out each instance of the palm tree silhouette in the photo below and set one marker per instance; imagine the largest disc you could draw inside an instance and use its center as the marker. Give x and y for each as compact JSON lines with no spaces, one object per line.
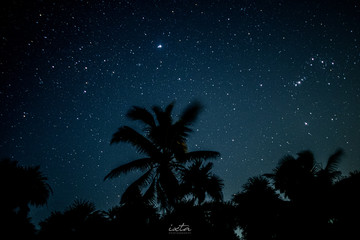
{"x":257,"y":209}
{"x":20,"y":187}
{"x":198,"y":181}
{"x":296,"y":178}
{"x":328,"y":175}
{"x":309,"y":189}
{"x":165,"y":147}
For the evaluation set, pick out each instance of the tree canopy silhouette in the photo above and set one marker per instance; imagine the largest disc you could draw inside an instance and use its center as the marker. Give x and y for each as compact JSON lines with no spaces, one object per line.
{"x":257,"y":209}
{"x":300,"y":177}
{"x":20,"y":187}
{"x":80,"y":220}
{"x":310,"y":190}
{"x":164,"y":143}
{"x":199,"y":182}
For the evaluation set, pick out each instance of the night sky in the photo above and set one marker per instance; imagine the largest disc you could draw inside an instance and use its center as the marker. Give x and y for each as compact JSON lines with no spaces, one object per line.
{"x":275,"y":77}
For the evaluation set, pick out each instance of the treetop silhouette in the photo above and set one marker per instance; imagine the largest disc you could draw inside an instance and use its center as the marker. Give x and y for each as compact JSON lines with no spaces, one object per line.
{"x":164,"y":143}
{"x":20,"y":187}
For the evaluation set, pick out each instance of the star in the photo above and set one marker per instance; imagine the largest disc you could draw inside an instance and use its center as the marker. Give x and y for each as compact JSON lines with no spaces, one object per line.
{"x":159,"y":46}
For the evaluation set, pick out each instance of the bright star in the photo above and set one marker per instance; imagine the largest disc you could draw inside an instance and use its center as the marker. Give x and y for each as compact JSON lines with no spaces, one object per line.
{"x":159,"y":46}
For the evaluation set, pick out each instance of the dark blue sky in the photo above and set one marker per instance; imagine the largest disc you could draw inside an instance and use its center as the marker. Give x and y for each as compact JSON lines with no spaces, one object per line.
{"x":276,"y":78}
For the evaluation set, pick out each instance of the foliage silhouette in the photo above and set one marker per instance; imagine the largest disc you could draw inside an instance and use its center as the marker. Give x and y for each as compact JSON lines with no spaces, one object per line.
{"x":294,"y":177}
{"x":80,"y":220}
{"x":20,"y":187}
{"x":345,"y":220}
{"x":199,"y":182}
{"x":310,"y":191}
{"x":166,"y":150}
{"x":257,"y":207}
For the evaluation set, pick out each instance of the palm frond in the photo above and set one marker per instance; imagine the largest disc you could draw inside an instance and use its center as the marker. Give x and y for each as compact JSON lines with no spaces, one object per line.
{"x":164,"y":118}
{"x":306,"y":160}
{"x":146,"y":178}
{"x":149,"y":195}
{"x":82,"y":206}
{"x":215,"y":189}
{"x":37,"y":187}
{"x":207,"y":167}
{"x":141,"y":114}
{"x":169,"y":183}
{"x":129,"y":135}
{"x":169,"y":108}
{"x":190,"y":114}
{"x":139,"y":164}
{"x":180,"y":131}
{"x":256,"y":184}
{"x":284,"y":160}
{"x":157,"y":110}
{"x":133,"y":192}
{"x":161,"y":196}
{"x":333,"y":161}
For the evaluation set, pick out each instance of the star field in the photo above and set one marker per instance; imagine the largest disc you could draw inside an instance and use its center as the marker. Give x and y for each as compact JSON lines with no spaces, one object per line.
{"x":276,"y":78}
